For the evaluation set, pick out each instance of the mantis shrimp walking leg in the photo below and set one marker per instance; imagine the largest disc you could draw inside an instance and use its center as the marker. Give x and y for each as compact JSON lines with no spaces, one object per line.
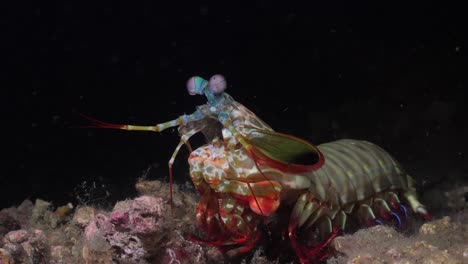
{"x":307,"y":212}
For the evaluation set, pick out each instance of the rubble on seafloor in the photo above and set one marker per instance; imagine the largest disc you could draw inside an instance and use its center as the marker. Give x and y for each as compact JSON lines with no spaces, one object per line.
{"x":440,"y":241}
{"x":140,"y":230}
{"x":144,"y":230}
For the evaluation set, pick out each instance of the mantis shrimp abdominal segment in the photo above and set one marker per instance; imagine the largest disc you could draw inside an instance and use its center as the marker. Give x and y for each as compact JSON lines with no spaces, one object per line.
{"x":247,"y":172}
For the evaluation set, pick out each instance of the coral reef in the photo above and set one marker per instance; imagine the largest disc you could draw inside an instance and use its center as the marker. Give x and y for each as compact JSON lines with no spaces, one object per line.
{"x":146,"y":230}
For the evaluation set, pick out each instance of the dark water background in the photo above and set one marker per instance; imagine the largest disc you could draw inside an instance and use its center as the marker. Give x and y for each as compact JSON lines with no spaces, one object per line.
{"x":392,"y":74}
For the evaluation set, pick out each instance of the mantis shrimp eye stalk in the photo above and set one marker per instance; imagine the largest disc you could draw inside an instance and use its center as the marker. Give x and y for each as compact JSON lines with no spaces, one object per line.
{"x":217,"y":84}
{"x":196,"y":85}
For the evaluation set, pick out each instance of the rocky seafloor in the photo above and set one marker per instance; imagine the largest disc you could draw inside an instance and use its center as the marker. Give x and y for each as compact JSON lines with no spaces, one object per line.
{"x":145,"y":230}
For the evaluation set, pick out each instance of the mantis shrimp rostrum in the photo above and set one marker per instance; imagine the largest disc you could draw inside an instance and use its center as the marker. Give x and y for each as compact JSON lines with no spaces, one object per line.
{"x":247,"y":172}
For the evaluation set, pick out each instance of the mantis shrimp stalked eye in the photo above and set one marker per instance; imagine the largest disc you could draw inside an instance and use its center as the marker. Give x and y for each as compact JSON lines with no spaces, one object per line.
{"x":217,"y":84}
{"x":246,"y":171}
{"x":196,"y":85}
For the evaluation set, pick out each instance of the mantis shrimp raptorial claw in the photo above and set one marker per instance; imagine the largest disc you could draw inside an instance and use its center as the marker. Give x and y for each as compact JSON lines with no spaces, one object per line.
{"x":157,"y":128}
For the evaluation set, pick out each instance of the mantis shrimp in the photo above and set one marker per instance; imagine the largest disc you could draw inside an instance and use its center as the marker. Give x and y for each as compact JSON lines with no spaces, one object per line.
{"x":247,"y":172}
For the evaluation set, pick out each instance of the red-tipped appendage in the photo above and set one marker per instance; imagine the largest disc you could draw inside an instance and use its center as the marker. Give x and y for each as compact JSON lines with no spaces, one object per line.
{"x":427,"y":216}
{"x":99,"y":124}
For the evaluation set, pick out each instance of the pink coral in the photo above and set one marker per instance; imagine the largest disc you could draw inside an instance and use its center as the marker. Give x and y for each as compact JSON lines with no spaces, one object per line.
{"x":135,"y":228}
{"x":144,"y":215}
